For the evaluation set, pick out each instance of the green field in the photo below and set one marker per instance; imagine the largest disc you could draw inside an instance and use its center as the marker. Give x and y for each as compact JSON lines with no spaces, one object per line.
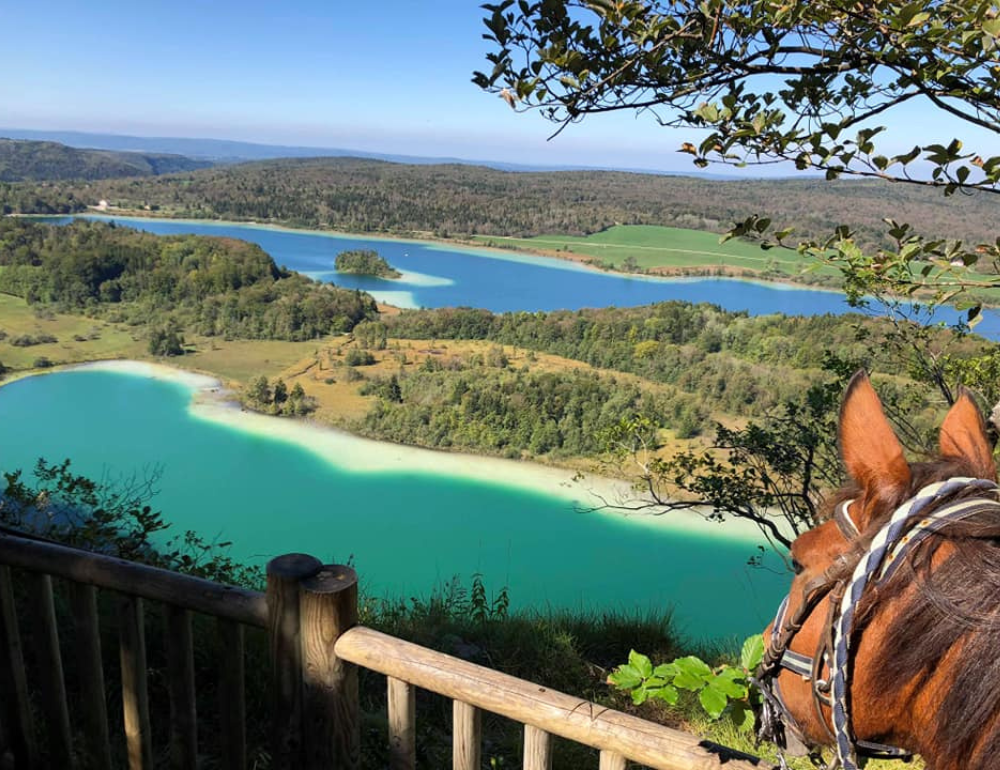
{"x":654,"y":247}
{"x":78,"y":338}
{"x":81,"y":339}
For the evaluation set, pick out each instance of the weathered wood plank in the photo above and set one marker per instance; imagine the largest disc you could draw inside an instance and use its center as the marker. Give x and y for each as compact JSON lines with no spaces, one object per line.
{"x":135,"y":699}
{"x":93,"y":711}
{"x":611,"y":761}
{"x":232,"y":697}
{"x":16,"y":709}
{"x":328,"y":606}
{"x":467,"y":736}
{"x":283,"y":577}
{"x":180,"y":683}
{"x":402,"y":698}
{"x":41,"y":612}
{"x":537,"y":749}
{"x":588,"y":723}
{"x":239,"y":604}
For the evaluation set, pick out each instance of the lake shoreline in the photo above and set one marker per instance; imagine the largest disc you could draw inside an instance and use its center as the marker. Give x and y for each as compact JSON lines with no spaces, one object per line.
{"x":671,"y":275}
{"x":213,"y":402}
{"x":567,"y":262}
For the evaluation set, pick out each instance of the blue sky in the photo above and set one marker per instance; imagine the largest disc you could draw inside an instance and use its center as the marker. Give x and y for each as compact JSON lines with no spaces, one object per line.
{"x":390,"y":76}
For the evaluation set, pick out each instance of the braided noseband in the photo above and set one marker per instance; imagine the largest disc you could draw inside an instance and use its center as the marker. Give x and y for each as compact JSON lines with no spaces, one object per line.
{"x":909,"y":525}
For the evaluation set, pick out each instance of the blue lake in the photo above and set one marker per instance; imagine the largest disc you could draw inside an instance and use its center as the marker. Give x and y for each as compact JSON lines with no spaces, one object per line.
{"x":441,"y":276}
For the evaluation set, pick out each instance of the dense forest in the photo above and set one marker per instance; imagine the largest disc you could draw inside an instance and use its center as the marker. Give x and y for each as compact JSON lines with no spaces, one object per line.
{"x":365,"y":262}
{"x":27,"y":161}
{"x":732,"y":362}
{"x":685,"y":367}
{"x":361,"y":195}
{"x":496,"y":409}
{"x":211,"y":286}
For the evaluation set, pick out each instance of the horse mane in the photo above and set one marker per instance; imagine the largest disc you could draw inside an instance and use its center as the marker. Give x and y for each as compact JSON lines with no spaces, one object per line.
{"x":955,"y":607}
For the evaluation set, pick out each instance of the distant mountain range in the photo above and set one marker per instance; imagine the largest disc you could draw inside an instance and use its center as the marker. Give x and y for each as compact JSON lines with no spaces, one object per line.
{"x":227,"y":151}
{"x":46,"y":161}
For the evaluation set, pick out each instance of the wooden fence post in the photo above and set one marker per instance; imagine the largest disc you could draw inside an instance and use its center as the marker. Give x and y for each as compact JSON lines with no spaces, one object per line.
{"x":467,"y":736}
{"x":331,"y":721}
{"x":94,"y":710}
{"x":180,"y":684}
{"x":135,"y":697}
{"x":41,"y":611}
{"x":18,"y":725}
{"x":537,"y":749}
{"x":284,"y":574}
{"x":232,"y":697}
{"x":402,"y":698}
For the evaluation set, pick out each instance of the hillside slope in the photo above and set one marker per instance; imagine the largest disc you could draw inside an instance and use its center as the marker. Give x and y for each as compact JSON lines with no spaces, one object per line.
{"x":28,"y":161}
{"x":364,"y":195}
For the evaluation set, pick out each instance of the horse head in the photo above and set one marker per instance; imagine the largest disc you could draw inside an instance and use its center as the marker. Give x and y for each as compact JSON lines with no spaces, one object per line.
{"x":889,"y":640}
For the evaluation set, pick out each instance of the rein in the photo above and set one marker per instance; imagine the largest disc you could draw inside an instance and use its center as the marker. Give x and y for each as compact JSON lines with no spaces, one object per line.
{"x":908,"y":526}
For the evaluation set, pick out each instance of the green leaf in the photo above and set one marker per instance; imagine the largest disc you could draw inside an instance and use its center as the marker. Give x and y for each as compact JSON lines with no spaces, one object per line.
{"x":742,"y":717}
{"x":625,"y":677}
{"x":730,"y":682}
{"x":641,"y":663}
{"x":713,"y":701}
{"x":667,"y":694}
{"x":693,"y":673}
{"x":666,"y":671}
{"x":708,"y":112}
{"x":753,"y":652}
{"x":693,"y":665}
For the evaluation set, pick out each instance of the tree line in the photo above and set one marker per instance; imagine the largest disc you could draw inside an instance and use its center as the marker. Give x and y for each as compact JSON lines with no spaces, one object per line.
{"x":484,"y":405}
{"x":360,"y":195}
{"x":695,"y":366}
{"x":731,"y":362}
{"x":210,"y":286}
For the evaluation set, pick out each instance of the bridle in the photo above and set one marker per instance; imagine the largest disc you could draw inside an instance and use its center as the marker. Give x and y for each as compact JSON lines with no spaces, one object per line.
{"x":910,"y":524}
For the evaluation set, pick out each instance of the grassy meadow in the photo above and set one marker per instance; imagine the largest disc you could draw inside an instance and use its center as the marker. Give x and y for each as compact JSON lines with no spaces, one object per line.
{"x":663,"y":249}
{"x":78,"y":338}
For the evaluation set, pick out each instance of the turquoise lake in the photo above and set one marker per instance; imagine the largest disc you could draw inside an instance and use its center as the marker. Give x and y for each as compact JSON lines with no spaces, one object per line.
{"x":436,"y":275}
{"x":405,"y":532}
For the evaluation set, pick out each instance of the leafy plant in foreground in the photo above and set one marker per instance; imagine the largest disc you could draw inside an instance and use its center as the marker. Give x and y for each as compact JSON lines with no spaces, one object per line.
{"x":724,"y":689}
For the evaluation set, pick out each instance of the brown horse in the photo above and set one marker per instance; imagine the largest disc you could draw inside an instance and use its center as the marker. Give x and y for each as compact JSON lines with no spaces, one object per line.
{"x":909,"y":599}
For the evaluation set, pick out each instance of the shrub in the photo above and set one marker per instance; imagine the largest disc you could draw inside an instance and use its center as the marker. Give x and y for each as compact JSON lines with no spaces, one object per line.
{"x":358,"y":357}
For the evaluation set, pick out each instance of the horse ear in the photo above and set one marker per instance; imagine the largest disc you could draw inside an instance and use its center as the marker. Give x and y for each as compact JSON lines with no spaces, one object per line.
{"x":871,"y":451}
{"x":963,"y":436}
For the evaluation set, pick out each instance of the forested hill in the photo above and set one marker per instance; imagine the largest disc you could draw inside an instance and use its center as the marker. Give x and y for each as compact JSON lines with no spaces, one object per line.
{"x":365,"y":195}
{"x":22,"y":161}
{"x":211,"y":286}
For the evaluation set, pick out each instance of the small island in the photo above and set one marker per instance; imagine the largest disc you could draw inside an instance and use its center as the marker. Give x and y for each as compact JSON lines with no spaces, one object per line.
{"x":365,"y":262}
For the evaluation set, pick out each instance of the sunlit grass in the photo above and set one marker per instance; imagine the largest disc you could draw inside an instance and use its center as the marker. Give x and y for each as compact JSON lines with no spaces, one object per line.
{"x":78,"y":338}
{"x":653,"y":247}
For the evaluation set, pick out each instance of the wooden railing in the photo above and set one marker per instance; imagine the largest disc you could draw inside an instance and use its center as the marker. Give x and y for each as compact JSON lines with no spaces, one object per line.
{"x":316,"y":647}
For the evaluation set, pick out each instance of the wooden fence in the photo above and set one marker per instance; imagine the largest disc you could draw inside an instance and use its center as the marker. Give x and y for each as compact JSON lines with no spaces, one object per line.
{"x":310,"y":615}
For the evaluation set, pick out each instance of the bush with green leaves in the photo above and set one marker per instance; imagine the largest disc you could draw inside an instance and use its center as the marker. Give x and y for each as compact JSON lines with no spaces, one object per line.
{"x":724,"y":689}
{"x":359,"y":357}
